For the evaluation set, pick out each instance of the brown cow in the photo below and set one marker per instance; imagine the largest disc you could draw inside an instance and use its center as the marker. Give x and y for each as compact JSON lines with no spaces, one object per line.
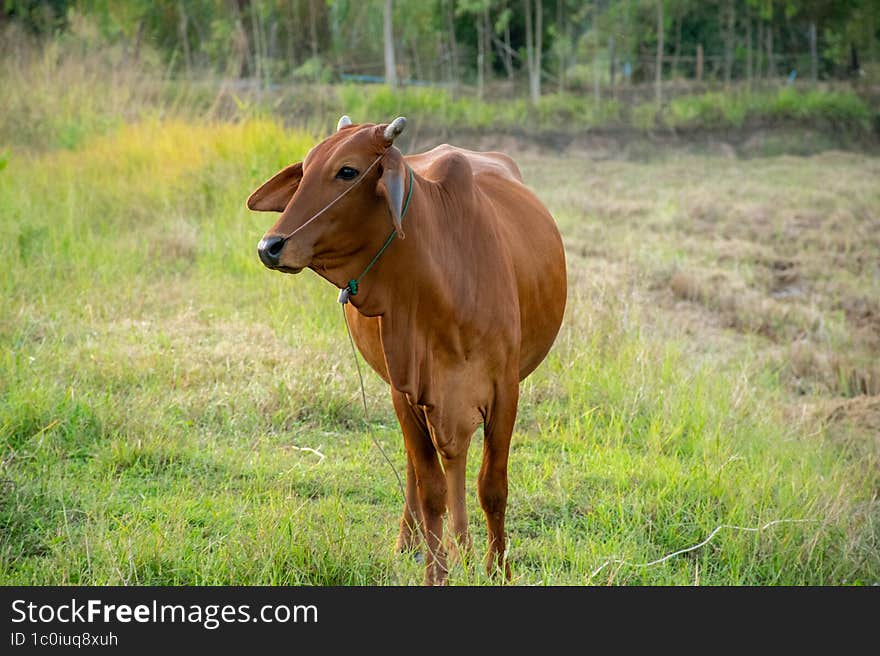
{"x":452,"y":317}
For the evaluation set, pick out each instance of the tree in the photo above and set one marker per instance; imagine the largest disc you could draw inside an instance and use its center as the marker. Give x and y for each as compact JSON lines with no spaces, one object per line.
{"x":474,"y":39}
{"x":729,"y":39}
{"x":388,"y":34}
{"x":534,"y":29}
{"x":502,"y":27}
{"x":561,"y":44}
{"x":479,"y":11}
{"x":658,"y":74}
{"x":449,"y":19}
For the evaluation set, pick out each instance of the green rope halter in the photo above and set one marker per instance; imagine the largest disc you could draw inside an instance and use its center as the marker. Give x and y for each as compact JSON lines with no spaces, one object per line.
{"x":351,"y":289}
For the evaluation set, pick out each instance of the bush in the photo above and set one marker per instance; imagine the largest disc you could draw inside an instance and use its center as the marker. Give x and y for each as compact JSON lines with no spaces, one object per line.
{"x":313,"y":70}
{"x":840,"y":109}
{"x":644,"y":117}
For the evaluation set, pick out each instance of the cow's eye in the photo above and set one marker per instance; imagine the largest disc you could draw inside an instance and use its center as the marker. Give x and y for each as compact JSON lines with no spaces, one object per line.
{"x":347,"y":173}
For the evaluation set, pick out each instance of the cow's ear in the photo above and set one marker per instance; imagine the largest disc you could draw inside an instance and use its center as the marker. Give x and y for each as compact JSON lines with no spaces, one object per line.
{"x":276,"y":192}
{"x":391,"y":185}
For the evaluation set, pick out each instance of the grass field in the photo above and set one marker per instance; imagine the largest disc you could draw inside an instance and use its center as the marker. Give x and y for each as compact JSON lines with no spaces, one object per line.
{"x":173,"y":413}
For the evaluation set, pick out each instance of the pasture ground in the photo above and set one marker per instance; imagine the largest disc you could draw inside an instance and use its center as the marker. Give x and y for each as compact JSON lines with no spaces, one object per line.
{"x":173,"y":413}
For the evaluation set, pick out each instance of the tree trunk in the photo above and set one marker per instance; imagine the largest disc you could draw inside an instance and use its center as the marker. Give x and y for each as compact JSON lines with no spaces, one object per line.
{"x":759,"y":48}
{"x":313,"y":30}
{"x":533,"y":48}
{"x":272,"y":44}
{"x":854,"y":66}
{"x":388,"y":33}
{"x":814,"y":58}
{"x":255,"y":30}
{"x":508,"y":52}
{"x":183,"y":29}
{"x":729,"y":38}
{"x":611,"y":67}
{"x":453,"y":43}
{"x":241,"y":42}
{"x":530,"y":56}
{"x":481,"y":56}
{"x":560,"y":81}
{"x":539,"y":35}
{"x":487,"y":45}
{"x":289,"y":28}
{"x":417,"y":64}
{"x":679,"y":19}
{"x":749,"y":63}
{"x":505,"y":52}
{"x":658,"y":73}
{"x":597,"y":87}
{"x":562,"y":50}
{"x":771,"y":69}
{"x":262,"y":52}
{"x":699,"y":62}
{"x":436,"y":68}
{"x":138,"y":40}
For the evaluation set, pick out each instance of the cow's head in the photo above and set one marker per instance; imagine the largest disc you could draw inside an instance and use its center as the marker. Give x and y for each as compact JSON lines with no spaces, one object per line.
{"x":353,"y":181}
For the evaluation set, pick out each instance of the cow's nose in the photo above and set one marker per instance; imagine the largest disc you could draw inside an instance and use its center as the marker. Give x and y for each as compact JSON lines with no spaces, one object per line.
{"x":269,"y":249}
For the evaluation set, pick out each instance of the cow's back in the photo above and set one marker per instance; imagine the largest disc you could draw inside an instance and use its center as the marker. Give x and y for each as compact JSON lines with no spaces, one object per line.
{"x":492,"y":163}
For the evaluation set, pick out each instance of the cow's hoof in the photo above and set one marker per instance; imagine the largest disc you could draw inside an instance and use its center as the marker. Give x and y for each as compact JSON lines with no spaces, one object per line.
{"x":407,"y":540}
{"x":411,"y":550}
{"x":459,"y":549}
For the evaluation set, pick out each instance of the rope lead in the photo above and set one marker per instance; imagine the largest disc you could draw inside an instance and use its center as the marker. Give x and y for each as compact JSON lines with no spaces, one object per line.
{"x":351,"y":289}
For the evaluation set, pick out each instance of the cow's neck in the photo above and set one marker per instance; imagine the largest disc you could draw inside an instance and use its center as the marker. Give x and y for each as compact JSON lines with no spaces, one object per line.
{"x":403,"y":272}
{"x":413,"y":287}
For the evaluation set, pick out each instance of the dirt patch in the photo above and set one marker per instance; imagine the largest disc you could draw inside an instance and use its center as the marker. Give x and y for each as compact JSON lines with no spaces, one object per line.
{"x":177,"y":247}
{"x":686,"y":287}
{"x":745,"y":308}
{"x":860,"y":415}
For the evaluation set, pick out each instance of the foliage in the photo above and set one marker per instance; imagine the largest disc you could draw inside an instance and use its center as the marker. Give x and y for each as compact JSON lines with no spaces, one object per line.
{"x":837,"y":109}
{"x":272,"y":39}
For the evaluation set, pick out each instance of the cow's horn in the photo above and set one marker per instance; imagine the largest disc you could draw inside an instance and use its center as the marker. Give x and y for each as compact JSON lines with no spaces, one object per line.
{"x":395,"y":128}
{"x":344,"y":122}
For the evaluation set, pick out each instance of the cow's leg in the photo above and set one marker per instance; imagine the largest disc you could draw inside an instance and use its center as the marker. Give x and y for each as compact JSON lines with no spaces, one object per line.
{"x":492,"y":485}
{"x":430,"y":486}
{"x":408,"y":538}
{"x":455,"y":468}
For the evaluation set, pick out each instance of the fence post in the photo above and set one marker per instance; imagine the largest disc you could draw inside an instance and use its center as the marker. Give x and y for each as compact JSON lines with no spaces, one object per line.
{"x":658,"y":72}
{"x":814,"y":60}
{"x":611,"y":58}
{"x":699,"y":62}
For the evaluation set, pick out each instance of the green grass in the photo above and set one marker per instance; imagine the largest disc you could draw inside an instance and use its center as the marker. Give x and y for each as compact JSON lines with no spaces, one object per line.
{"x":163,"y":396}
{"x":572,"y":113}
{"x":440,"y":109}
{"x":834,"y":110}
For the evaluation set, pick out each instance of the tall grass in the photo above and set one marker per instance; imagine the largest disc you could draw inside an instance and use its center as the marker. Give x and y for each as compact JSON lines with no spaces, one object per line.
{"x":830,"y":109}
{"x":566,"y":113}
